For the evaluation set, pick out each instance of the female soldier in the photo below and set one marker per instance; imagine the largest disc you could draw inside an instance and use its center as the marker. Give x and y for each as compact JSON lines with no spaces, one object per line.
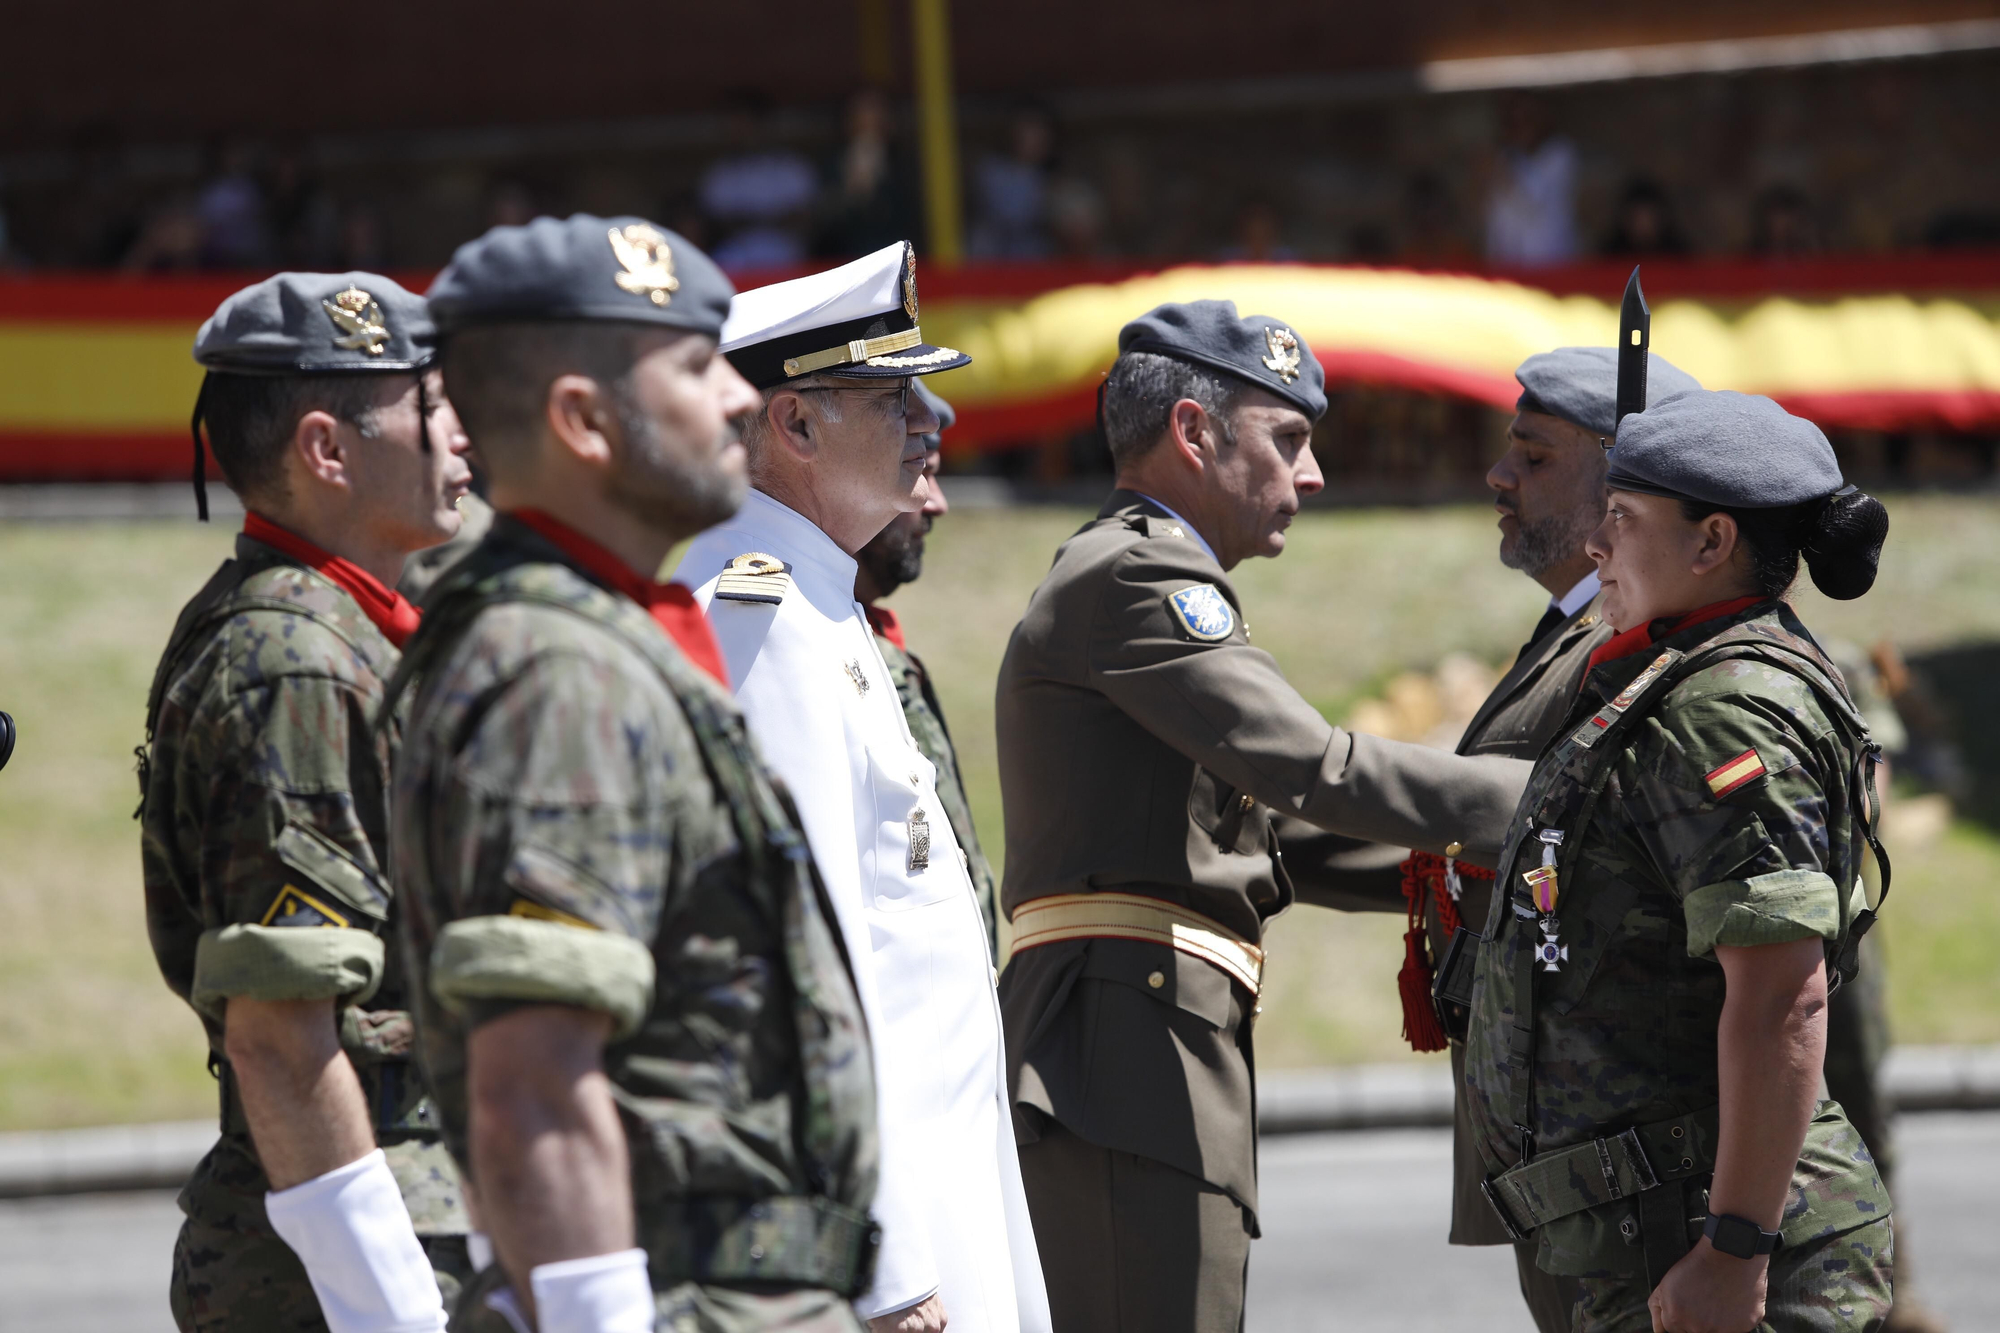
{"x":1649,"y":1004}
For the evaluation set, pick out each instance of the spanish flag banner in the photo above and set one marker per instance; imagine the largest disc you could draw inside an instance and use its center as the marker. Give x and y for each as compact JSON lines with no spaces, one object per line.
{"x":99,"y":380}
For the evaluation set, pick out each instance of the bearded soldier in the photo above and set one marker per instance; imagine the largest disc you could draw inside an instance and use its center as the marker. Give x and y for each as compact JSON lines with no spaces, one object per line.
{"x":328,"y":1201}
{"x":643,"y":1030}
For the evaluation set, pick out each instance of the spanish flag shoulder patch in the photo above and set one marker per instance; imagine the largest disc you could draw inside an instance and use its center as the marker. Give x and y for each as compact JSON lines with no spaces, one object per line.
{"x":1743,"y":768}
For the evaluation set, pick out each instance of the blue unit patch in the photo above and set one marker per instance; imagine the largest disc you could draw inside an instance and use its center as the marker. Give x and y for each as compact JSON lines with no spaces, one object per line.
{"x":1203,"y":612}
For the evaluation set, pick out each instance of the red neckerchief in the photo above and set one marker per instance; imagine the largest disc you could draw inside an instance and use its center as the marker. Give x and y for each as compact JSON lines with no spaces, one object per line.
{"x":886,"y":624}
{"x":671,"y":604}
{"x":392,"y":612}
{"x":1641,"y":637}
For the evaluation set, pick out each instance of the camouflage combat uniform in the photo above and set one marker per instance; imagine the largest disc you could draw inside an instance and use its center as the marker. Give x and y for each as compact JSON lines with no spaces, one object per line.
{"x":1711,"y":801}
{"x":265,"y":799}
{"x":580,"y":819}
{"x":926,"y":719}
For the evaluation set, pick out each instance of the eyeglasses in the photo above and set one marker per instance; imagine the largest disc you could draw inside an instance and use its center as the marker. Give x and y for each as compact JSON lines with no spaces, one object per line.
{"x":902,"y":394}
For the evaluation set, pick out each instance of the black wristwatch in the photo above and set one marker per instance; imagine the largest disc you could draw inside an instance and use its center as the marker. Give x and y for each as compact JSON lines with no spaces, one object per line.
{"x":1738,"y":1236}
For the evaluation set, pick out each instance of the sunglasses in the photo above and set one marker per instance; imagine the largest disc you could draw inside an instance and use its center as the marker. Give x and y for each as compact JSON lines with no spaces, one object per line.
{"x":902,"y":394}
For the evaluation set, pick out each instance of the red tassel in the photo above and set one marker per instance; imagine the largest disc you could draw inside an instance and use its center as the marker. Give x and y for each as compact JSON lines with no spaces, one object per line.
{"x":1420,"y":1024}
{"x":1424,"y":886}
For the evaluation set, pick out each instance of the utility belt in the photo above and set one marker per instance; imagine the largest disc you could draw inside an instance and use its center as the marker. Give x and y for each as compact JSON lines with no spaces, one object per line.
{"x":788,"y":1239}
{"x":1132,"y":916}
{"x":398,"y":1107}
{"x":1649,"y":1164}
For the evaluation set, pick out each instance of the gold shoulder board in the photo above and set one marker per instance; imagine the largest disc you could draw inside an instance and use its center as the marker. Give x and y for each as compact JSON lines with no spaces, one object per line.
{"x":754,"y":577}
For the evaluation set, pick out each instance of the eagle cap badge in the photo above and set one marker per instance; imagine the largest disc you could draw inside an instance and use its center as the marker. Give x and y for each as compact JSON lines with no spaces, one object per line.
{"x":1203,"y":612}
{"x":647,"y":261}
{"x":1284,"y":348}
{"x":358,"y":316}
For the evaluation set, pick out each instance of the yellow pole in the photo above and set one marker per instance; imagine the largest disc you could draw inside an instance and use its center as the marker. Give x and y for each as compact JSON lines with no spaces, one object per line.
{"x":930,"y":22}
{"x":878,"y":62}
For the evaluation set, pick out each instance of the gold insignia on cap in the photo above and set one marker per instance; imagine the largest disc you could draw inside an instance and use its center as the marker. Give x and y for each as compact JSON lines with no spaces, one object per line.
{"x":754,"y":577}
{"x":909,"y":280}
{"x":648,"y":263}
{"x":1284,"y":357}
{"x":359,"y":318}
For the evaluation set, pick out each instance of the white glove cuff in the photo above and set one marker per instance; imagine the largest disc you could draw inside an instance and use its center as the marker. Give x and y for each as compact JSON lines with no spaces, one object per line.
{"x":351,"y":1231}
{"x":606,"y":1293}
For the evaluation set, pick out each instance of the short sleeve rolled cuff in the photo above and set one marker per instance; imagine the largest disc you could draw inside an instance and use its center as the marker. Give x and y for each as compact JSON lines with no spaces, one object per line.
{"x":481,"y":961}
{"x":1774,"y":908}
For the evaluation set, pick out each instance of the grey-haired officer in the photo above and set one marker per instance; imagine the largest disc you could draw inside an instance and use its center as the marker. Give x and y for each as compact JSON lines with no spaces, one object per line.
{"x":1145,"y":746}
{"x":328,"y":1199}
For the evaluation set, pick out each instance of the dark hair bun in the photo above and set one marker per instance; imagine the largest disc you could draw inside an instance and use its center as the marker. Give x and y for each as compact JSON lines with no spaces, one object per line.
{"x":1844,"y":542}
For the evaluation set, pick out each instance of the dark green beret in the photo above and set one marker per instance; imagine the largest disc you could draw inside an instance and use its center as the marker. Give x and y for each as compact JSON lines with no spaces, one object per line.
{"x":581,"y":268}
{"x":1257,"y":349}
{"x":1580,"y":385}
{"x":316,"y":324}
{"x":1735,"y":450}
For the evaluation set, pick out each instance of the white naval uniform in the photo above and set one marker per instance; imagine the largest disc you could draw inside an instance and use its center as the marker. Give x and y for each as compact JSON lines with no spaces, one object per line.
{"x":953,"y":1215}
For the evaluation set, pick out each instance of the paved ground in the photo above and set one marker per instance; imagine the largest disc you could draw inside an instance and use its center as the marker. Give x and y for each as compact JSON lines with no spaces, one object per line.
{"x":1353,"y":1241}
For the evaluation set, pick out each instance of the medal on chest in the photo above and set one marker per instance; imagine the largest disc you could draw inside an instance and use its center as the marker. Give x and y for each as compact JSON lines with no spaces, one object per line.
{"x":1550,"y":951}
{"x":920,"y":840}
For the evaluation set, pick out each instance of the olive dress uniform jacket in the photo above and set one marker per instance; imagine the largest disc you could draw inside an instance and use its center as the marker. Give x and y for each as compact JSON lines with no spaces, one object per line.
{"x":1140,"y":757}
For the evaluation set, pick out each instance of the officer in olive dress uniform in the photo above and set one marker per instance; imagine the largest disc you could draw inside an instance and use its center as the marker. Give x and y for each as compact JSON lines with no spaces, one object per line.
{"x":328,"y":1202}
{"x":1683,"y":881}
{"x":636,"y":1008}
{"x":892,"y":559}
{"x":1549,"y":490}
{"x":1144,"y":747}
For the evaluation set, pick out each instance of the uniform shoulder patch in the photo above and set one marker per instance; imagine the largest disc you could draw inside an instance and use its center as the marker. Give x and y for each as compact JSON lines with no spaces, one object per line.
{"x":754,"y":577}
{"x":294,"y":907}
{"x":1745,"y":767}
{"x":1203,"y":612}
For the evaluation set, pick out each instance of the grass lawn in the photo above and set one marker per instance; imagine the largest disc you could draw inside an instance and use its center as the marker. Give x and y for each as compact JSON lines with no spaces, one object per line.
{"x":88,"y":1034}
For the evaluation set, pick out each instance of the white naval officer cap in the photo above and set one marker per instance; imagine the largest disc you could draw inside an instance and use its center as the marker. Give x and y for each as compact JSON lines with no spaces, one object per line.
{"x":856,"y":321}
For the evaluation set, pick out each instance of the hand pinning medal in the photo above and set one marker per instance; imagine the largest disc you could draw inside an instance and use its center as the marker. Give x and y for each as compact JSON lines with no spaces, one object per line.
{"x":1551,"y":952}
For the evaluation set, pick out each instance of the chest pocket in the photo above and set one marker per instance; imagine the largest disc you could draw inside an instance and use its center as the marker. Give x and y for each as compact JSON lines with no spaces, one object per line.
{"x":916,"y":863}
{"x":1233,"y":819}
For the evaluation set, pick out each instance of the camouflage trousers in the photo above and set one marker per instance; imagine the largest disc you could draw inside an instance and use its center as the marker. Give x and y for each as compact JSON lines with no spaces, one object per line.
{"x":1836,"y":1284}
{"x":687,"y":1308}
{"x":227,"y":1281}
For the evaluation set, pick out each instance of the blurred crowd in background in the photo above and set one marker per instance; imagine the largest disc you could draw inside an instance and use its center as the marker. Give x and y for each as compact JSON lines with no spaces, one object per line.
{"x":1777,"y":164}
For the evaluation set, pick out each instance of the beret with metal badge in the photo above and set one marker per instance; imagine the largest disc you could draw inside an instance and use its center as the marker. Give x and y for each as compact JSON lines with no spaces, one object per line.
{"x":1736,"y":450}
{"x":309,"y":324}
{"x":581,"y":268}
{"x":1258,"y":349}
{"x":858,"y":321}
{"x":317,"y":324}
{"x":1580,"y":385}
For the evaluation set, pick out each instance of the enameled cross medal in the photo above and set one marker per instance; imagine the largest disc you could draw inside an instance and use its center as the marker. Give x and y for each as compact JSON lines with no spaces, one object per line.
{"x":1550,"y":952}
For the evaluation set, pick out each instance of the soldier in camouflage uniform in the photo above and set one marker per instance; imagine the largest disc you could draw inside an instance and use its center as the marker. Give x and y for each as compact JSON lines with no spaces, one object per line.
{"x":1685,"y":882}
{"x":893,"y":558}
{"x":647,"y":1047}
{"x":264,"y":813}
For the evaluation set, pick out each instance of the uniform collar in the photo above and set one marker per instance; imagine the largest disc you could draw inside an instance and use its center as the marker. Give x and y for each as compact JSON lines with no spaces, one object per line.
{"x":818,"y":564}
{"x":886,"y":623}
{"x":1192,"y":530}
{"x":1641,"y":637}
{"x":1578,"y":597}
{"x":390,"y":610}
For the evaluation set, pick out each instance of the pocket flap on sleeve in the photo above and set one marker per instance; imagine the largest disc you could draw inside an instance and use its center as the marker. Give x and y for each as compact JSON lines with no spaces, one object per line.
{"x":310,"y":853}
